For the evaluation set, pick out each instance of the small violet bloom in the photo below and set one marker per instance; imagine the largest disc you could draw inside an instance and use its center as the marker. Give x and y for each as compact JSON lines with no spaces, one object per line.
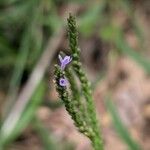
{"x":64,"y":61}
{"x":63,"y":82}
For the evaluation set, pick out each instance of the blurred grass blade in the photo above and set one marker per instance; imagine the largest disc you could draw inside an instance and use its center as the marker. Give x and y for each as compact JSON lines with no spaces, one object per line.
{"x":37,"y":38}
{"x":126,"y":49}
{"x":15,"y":13}
{"x":22,"y":56}
{"x":18,"y":71}
{"x":21,"y":60}
{"x":44,"y":134}
{"x":101,"y":75}
{"x":47,"y":140}
{"x":114,"y":34}
{"x":7,"y":55}
{"x":8,"y":2}
{"x":24,"y":120}
{"x":89,"y":19}
{"x":119,"y":126}
{"x":128,"y":6}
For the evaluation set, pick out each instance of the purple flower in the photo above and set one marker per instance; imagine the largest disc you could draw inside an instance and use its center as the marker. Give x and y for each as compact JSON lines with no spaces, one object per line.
{"x":64,"y":61}
{"x":63,"y":82}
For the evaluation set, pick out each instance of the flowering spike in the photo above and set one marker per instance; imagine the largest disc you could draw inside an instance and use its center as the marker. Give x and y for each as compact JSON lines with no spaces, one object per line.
{"x":82,"y":112}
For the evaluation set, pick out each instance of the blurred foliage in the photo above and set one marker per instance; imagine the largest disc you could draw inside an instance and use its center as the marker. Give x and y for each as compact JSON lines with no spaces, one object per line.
{"x":25,"y":28}
{"x":120,"y":127}
{"x":25,"y":118}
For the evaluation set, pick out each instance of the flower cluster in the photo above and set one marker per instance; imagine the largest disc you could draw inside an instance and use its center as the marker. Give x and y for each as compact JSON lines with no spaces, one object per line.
{"x":63,"y":62}
{"x":77,"y":98}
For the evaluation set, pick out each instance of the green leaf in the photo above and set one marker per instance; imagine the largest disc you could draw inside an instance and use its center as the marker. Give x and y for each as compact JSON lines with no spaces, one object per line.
{"x":16,"y":13}
{"x":136,"y":56}
{"x":114,"y":35}
{"x":120,"y":127}
{"x":25,"y":118}
{"x":44,"y":134}
{"x":22,"y":58}
{"x":89,"y":19}
{"x":110,"y":32}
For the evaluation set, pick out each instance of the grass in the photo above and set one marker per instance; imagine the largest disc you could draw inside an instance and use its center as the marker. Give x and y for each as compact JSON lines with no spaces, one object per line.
{"x":26,"y":26}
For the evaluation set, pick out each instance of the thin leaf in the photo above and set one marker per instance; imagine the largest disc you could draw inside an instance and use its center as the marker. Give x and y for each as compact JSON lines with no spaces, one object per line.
{"x":89,"y":19}
{"x":25,"y":119}
{"x":44,"y":134}
{"x":119,"y":126}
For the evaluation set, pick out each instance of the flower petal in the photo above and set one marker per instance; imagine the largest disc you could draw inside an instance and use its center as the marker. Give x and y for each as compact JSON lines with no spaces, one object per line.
{"x":67,"y":59}
{"x":62,"y":66}
{"x":60,"y":58}
{"x":64,"y":61}
{"x":63,"y":82}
